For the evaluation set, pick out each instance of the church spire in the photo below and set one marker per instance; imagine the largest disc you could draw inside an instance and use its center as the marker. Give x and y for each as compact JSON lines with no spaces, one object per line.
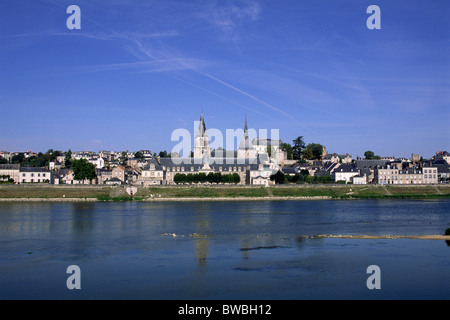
{"x":201,"y":131}
{"x":245,"y":142}
{"x":201,"y":143}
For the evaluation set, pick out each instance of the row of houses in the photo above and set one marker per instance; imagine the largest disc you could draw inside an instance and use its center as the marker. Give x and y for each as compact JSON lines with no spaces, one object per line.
{"x":381,"y":171}
{"x":251,"y":162}
{"x":27,"y":174}
{"x":162,"y":171}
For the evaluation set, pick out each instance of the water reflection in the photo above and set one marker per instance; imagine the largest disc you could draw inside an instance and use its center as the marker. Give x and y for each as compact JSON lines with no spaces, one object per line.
{"x":256,"y":248}
{"x":83,"y":218}
{"x":201,"y":251}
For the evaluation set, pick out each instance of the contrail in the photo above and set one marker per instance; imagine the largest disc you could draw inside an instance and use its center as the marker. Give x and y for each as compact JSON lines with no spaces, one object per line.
{"x":244,"y":93}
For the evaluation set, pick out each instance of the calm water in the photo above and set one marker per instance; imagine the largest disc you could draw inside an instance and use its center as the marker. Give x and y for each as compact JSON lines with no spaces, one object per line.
{"x":246,"y":250}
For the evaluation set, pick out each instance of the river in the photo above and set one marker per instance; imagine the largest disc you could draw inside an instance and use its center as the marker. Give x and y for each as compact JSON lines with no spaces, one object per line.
{"x":223,"y":250}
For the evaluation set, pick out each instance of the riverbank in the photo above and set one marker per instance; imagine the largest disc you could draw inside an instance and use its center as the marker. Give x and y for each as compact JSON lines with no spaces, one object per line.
{"x":418,"y":237}
{"x":70,"y":193}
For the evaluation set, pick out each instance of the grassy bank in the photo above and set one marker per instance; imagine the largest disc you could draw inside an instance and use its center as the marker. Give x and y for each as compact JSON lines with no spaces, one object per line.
{"x":117,"y":193}
{"x":49,"y":191}
{"x":202,"y":192}
{"x":310,"y":191}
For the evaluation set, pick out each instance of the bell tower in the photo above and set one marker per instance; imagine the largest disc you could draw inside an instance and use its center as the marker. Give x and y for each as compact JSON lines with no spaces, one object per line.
{"x":201,"y":142}
{"x":246,"y":149}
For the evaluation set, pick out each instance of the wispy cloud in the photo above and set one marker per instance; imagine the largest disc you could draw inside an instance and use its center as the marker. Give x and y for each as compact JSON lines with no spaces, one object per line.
{"x":153,"y":54}
{"x":220,"y":96}
{"x":228,"y":17}
{"x":245,"y":93}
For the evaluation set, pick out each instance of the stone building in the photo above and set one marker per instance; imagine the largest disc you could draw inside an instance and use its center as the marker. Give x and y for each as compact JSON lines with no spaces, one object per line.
{"x":252,"y":165}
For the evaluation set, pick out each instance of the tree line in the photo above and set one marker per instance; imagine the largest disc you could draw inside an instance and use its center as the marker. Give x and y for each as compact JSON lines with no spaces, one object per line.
{"x":302,"y":177}
{"x":212,"y":177}
{"x":300,"y":151}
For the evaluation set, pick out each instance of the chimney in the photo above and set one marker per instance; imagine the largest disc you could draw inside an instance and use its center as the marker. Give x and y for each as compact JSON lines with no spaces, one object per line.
{"x":158,"y":158}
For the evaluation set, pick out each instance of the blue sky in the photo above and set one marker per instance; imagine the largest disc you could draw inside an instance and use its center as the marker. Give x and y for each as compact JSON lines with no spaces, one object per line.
{"x":138,"y":70}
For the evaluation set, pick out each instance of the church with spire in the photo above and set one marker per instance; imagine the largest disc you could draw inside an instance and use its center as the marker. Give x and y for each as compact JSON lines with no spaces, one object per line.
{"x":250,"y":161}
{"x":202,"y":150}
{"x":246,"y":149}
{"x":201,"y":141}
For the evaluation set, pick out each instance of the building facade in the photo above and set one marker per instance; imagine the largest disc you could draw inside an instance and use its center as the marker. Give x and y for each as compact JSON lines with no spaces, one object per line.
{"x":253,"y":165}
{"x":11,"y":171}
{"x":34,"y":175}
{"x":411,"y":175}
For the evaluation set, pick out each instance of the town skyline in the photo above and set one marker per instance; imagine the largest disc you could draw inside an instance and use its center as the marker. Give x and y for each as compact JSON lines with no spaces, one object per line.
{"x":236,"y":135}
{"x":134,"y":72}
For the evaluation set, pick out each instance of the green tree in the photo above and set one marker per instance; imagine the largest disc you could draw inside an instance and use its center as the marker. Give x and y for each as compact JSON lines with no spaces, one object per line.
{"x":67,"y":157}
{"x":297,"y":147}
{"x":139,"y":155}
{"x":304,"y":172}
{"x":201,"y":177}
{"x":370,"y":155}
{"x":3,"y":160}
{"x":179,"y":178}
{"x":269,"y":151}
{"x":83,"y":170}
{"x":35,"y":161}
{"x":163,"y":154}
{"x":278,"y":177}
{"x":288,"y":148}
{"x":313,"y":151}
{"x":17,"y":158}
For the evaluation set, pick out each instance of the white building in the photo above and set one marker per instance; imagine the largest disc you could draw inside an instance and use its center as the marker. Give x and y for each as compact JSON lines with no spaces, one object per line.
{"x":34,"y":175}
{"x":345,"y":172}
{"x":430,"y":175}
{"x":360,"y":179}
